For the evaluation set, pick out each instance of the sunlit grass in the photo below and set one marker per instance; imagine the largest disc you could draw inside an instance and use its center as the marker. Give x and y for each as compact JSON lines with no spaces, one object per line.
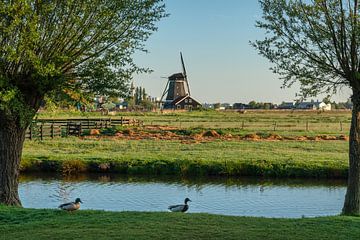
{"x":17,"y":223}
{"x":283,"y":122}
{"x":262,"y":158}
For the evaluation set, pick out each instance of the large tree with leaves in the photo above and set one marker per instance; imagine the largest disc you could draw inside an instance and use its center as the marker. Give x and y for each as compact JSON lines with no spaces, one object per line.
{"x":52,"y":45}
{"x":317,"y":44}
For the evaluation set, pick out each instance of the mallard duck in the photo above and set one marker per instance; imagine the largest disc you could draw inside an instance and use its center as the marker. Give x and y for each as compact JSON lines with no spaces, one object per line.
{"x":71,"y":206}
{"x":180,"y":207}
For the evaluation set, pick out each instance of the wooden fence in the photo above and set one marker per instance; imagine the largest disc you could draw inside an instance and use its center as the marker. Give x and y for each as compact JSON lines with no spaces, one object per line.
{"x":259,"y":125}
{"x":51,"y":128}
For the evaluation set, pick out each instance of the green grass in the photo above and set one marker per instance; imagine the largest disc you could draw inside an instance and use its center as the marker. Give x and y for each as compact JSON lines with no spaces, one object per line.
{"x":287,"y":122}
{"x":17,"y":223}
{"x":234,"y":158}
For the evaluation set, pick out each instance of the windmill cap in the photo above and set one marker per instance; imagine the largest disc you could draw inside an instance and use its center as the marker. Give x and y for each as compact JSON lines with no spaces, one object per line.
{"x":177,"y":76}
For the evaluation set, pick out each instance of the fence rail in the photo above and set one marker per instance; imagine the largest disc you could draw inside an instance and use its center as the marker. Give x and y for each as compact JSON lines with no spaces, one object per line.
{"x":51,"y":128}
{"x":255,"y":125}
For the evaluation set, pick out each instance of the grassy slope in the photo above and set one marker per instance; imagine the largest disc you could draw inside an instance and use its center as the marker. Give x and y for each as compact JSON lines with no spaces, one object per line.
{"x":52,"y":224}
{"x":307,"y":158}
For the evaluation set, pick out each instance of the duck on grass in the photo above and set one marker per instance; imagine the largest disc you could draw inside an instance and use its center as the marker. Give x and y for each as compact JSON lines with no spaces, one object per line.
{"x":71,"y":206}
{"x":180,"y":207}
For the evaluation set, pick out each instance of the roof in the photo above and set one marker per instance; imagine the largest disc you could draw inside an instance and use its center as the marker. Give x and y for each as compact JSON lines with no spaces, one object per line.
{"x":177,"y":76}
{"x":180,"y":99}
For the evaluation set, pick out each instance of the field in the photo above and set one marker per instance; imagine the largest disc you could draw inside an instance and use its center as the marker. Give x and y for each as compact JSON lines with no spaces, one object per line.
{"x":283,"y":122}
{"x":17,"y":223}
{"x":207,"y":157}
{"x":179,"y":143}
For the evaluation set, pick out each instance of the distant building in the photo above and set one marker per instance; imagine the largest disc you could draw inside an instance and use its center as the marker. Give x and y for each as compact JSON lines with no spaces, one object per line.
{"x":324,"y":106}
{"x":287,"y":105}
{"x":240,"y":106}
{"x":226,"y":105}
{"x":314,"y":106}
{"x":208,"y":105}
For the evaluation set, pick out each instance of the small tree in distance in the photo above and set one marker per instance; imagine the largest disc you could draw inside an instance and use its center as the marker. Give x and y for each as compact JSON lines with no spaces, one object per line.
{"x":52,"y":45}
{"x":317,"y":44}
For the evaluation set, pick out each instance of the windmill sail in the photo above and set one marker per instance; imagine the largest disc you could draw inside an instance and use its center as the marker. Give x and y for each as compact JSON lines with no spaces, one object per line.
{"x":184,"y":72}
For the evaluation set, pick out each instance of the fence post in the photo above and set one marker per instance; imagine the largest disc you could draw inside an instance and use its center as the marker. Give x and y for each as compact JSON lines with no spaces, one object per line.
{"x":30,"y":128}
{"x":80,"y":127}
{"x":121,"y":121}
{"x":41,"y":131}
{"x":274,"y":126}
{"x":341,"y":126}
{"x":242,"y":125}
{"x":52,"y":130}
{"x":307,"y":125}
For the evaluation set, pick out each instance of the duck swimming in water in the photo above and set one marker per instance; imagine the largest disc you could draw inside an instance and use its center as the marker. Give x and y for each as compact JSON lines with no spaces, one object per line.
{"x":180,"y":207}
{"x":71,"y":206}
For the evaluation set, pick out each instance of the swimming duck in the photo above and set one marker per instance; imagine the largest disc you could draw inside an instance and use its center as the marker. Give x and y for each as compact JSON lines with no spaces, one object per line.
{"x":180,"y":207}
{"x":71,"y":206}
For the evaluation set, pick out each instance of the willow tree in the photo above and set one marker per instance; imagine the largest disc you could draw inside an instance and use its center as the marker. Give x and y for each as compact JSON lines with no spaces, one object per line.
{"x":316,"y":43}
{"x":52,"y":45}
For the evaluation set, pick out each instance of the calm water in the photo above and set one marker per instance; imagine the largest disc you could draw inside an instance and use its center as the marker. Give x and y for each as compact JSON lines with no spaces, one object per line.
{"x":241,"y":197}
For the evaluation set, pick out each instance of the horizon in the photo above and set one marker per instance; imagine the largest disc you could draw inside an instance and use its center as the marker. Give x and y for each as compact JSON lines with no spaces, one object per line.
{"x":220,"y":63}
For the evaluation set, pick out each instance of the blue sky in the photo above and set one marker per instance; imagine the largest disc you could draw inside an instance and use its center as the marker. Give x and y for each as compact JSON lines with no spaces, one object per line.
{"x":213,"y":36}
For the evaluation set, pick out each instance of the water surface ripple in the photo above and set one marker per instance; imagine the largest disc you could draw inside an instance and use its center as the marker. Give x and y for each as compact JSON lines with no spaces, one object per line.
{"x":239,"y":197}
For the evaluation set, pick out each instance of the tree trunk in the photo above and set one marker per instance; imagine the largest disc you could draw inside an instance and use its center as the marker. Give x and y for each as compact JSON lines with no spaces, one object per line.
{"x":12,"y":138}
{"x":352,"y":198}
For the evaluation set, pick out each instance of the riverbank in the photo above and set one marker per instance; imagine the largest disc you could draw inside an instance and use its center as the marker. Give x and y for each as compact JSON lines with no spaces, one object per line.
{"x":317,"y":159}
{"x":18,"y":223}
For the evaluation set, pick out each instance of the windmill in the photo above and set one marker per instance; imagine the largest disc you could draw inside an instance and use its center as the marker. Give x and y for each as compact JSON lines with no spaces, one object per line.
{"x":177,"y":87}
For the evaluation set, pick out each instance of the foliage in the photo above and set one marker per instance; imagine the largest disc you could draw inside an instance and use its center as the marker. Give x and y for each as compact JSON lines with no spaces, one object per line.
{"x":109,"y":105}
{"x":19,"y":223}
{"x":260,"y":105}
{"x":315,"y":43}
{"x":52,"y":46}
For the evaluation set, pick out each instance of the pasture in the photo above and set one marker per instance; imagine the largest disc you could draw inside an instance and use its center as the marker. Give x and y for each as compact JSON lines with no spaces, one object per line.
{"x":281,"y":121}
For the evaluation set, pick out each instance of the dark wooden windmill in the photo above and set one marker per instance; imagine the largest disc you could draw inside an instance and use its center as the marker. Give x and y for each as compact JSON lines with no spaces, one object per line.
{"x":177,"y":91}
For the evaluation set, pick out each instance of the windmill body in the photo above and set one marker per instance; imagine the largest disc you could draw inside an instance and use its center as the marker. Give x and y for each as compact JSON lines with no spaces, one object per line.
{"x":177,"y":92}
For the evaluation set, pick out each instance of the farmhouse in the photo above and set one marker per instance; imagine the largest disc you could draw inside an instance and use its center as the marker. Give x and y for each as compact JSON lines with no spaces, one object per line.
{"x":185,"y":102}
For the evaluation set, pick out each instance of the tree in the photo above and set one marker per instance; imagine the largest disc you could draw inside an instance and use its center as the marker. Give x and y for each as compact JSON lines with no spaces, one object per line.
{"x":253,"y":105}
{"x":52,"y":45}
{"x":327,"y":99}
{"x":317,"y":44}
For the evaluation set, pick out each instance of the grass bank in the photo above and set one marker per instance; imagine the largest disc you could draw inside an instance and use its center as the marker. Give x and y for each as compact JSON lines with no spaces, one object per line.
{"x":17,"y":223}
{"x":324,"y":159}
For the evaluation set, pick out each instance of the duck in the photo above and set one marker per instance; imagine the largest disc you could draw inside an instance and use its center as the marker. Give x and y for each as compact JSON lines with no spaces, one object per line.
{"x":180,"y":207}
{"x":71,"y":206}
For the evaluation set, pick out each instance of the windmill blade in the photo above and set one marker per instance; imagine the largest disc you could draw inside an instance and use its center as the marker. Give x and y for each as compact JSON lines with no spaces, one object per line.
{"x":183,"y":65}
{"x":165,"y":91}
{"x":184,"y":72}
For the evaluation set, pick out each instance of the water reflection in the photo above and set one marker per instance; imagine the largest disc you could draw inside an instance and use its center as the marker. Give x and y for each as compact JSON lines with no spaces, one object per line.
{"x":228,"y":196}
